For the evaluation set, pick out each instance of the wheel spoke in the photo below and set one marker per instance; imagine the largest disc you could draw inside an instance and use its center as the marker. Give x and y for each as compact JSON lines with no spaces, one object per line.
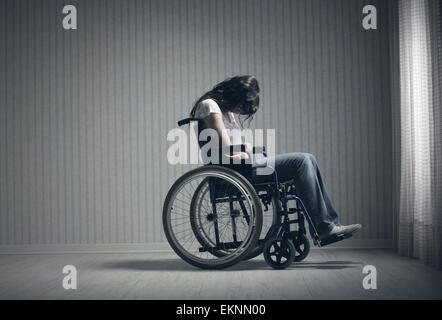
{"x":278,"y":258}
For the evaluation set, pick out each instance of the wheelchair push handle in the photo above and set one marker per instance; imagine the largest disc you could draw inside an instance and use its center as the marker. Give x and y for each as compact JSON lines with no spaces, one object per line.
{"x":186,"y":121}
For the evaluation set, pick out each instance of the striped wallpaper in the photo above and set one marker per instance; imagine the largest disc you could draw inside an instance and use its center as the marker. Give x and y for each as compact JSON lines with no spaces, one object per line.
{"x":84,"y":113}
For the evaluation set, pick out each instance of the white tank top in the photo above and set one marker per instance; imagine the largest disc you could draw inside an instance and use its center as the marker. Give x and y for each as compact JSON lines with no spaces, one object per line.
{"x":208,"y":106}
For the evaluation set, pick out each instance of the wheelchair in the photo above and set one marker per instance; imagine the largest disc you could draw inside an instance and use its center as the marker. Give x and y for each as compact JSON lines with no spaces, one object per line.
{"x":217,"y":215}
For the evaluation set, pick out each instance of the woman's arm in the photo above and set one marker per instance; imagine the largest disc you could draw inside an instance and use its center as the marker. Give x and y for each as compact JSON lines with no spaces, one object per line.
{"x":214,"y":121}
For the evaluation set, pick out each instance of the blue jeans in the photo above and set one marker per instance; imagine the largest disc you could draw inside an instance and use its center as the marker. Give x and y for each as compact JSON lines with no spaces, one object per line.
{"x":303,"y":169}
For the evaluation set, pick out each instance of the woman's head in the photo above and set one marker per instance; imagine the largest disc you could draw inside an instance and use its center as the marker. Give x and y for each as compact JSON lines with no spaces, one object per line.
{"x":239,"y":94}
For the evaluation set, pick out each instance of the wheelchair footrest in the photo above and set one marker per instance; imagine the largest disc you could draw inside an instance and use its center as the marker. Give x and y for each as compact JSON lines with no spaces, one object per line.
{"x":333,"y":239}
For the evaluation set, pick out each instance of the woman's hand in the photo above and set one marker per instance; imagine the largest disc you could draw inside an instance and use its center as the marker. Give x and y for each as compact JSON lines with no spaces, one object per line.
{"x":249,"y":146}
{"x":239,"y":155}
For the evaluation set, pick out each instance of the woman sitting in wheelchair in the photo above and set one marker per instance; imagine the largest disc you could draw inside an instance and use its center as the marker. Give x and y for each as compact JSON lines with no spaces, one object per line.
{"x":215,"y":216}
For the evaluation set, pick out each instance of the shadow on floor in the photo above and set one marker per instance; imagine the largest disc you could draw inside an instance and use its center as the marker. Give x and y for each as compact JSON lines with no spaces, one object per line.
{"x":256,"y":264}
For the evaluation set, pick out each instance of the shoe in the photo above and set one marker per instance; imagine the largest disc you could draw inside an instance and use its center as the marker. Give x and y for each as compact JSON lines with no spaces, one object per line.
{"x":342,"y":230}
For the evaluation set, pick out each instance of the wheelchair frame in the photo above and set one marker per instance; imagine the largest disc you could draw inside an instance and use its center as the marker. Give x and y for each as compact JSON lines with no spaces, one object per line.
{"x":279,"y":236}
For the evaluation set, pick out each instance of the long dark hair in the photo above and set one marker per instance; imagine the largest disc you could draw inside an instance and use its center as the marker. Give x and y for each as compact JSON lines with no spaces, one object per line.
{"x":234,"y":92}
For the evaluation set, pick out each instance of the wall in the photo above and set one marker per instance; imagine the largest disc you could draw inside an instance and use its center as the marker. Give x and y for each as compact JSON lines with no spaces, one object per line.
{"x":84,"y":114}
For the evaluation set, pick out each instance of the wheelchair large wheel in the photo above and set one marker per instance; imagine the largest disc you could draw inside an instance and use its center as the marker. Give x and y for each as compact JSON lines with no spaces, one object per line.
{"x":229,"y":221}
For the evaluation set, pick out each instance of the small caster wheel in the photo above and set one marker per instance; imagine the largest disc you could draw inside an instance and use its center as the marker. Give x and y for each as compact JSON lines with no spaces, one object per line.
{"x":279,"y":253}
{"x":302,"y":246}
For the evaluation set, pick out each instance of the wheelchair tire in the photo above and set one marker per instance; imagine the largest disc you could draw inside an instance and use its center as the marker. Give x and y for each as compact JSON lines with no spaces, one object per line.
{"x":302,"y":246}
{"x":186,"y":248}
{"x":275,"y":249}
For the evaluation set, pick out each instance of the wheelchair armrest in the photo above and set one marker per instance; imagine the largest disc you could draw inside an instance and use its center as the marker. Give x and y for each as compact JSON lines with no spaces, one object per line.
{"x":246,"y":167}
{"x":232,"y":149}
{"x":242,"y":148}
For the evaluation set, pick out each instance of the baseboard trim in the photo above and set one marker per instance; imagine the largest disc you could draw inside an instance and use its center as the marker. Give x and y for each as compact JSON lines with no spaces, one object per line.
{"x":161,"y":247}
{"x":85,"y":248}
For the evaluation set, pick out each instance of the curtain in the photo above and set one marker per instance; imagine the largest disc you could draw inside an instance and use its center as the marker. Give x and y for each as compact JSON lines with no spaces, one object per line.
{"x":418,"y":119}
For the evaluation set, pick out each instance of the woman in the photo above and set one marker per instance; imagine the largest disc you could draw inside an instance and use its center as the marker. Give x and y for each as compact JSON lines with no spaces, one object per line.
{"x":240,"y":95}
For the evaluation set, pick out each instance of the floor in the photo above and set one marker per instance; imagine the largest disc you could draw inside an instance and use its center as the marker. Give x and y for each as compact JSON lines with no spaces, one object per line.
{"x":325,"y":274}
